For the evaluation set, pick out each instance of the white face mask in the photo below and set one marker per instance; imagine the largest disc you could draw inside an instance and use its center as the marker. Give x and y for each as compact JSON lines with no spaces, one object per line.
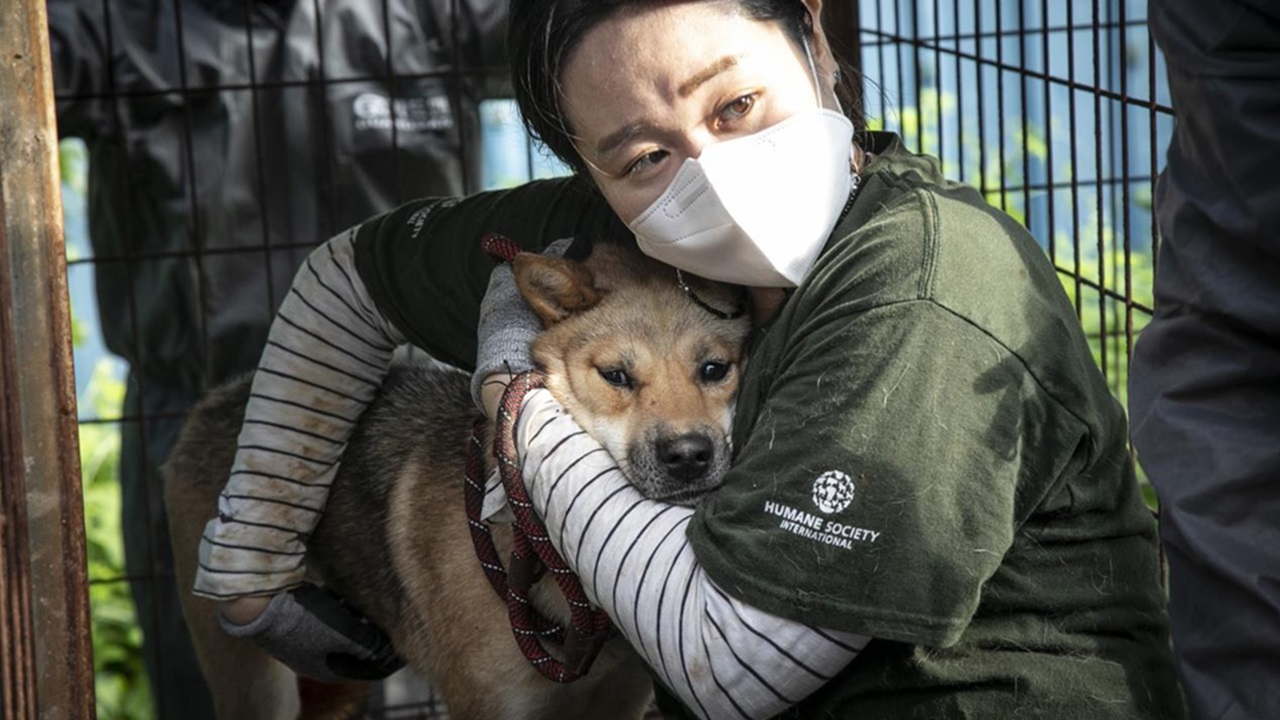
{"x":755,"y":210}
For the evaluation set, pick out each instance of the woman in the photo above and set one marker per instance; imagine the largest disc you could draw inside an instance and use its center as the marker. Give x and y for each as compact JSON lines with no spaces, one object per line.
{"x":931,"y":510}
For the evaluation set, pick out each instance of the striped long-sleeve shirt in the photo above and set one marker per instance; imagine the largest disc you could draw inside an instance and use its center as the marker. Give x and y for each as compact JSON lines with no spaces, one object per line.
{"x":326,"y":356}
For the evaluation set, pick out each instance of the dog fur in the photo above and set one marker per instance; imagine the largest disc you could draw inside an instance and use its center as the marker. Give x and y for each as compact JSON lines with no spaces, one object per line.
{"x":637,"y":363}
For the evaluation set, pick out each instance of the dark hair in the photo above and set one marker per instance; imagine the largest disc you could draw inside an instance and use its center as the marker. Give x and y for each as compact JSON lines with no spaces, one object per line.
{"x":543,"y":33}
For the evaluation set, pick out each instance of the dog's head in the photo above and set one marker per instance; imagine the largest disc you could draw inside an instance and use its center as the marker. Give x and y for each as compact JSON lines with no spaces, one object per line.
{"x":646,"y":371}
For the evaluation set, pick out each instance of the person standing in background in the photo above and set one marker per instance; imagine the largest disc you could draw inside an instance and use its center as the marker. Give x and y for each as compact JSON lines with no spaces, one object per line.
{"x":226,"y":138}
{"x":1204,"y":386}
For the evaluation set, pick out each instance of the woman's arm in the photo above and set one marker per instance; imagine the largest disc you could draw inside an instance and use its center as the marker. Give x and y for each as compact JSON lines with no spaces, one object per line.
{"x":326,"y":356}
{"x":418,"y":273}
{"x":722,"y":657}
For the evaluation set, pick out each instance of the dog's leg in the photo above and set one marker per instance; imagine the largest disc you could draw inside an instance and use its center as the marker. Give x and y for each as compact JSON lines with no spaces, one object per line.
{"x":455,"y":629}
{"x":321,"y":701}
{"x":245,"y":682}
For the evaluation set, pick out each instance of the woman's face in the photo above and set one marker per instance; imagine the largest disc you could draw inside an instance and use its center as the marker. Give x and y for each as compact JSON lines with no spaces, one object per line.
{"x":655,"y":84}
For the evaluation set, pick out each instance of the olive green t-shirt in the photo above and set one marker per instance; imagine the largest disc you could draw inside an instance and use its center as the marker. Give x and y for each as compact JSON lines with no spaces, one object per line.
{"x":925,"y":450}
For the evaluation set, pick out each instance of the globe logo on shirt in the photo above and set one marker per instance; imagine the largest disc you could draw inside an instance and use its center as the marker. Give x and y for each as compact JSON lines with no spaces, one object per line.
{"x":832,"y":491}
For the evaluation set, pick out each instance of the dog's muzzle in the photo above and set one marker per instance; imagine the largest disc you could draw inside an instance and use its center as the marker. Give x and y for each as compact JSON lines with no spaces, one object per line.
{"x":686,"y":457}
{"x":678,"y":468}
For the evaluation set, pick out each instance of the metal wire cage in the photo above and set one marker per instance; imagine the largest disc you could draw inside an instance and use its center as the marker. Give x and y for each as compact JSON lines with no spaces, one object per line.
{"x":1059,"y":113}
{"x":1056,"y":111}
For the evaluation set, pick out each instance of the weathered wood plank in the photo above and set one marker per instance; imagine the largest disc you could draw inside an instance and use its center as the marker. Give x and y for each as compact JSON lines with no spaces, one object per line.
{"x":46,"y":670}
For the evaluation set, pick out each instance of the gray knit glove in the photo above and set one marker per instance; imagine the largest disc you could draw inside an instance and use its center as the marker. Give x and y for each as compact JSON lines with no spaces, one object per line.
{"x":315,"y":633}
{"x":507,"y":325}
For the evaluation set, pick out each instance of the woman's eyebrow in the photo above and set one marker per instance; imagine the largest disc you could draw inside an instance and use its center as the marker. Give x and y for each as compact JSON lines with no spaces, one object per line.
{"x":712,"y":70}
{"x":611,"y":142}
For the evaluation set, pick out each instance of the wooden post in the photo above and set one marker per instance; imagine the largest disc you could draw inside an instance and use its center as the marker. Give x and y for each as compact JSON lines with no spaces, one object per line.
{"x":46,"y":661}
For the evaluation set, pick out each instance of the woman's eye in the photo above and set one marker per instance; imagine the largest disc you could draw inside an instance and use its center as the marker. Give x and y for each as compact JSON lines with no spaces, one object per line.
{"x":616,"y":377}
{"x":711,"y":372}
{"x":645,"y":162}
{"x":738,"y":109}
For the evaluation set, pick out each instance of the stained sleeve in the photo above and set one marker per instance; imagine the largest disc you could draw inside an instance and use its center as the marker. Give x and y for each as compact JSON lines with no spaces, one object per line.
{"x":881,"y":483}
{"x":326,"y":356}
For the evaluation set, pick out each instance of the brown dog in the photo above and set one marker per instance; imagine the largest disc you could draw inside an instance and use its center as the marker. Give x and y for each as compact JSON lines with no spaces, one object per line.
{"x":639,"y":364}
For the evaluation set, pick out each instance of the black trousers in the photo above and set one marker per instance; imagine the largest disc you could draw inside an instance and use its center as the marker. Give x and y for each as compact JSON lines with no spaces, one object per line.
{"x":177,"y":686}
{"x":1205,"y":380}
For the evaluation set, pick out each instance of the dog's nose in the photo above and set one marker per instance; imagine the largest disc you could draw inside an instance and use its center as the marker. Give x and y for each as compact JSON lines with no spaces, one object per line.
{"x":686,"y":457}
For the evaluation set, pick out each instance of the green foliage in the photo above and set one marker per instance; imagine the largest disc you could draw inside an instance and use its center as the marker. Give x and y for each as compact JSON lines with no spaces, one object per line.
{"x":1107,"y":317}
{"x":73,"y":164}
{"x":73,"y":158}
{"x":120,"y":680}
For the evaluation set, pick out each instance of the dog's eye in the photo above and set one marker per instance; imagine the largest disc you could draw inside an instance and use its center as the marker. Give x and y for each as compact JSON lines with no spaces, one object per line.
{"x":616,"y":377}
{"x":713,"y":371}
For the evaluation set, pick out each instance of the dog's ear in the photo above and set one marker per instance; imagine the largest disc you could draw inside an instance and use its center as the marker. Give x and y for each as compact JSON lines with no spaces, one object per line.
{"x":554,"y":287}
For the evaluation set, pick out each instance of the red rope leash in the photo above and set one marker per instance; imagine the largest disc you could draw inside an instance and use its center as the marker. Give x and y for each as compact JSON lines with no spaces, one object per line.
{"x":499,"y":247}
{"x":589,"y":627}
{"x":532,"y":551}
{"x":482,"y":537}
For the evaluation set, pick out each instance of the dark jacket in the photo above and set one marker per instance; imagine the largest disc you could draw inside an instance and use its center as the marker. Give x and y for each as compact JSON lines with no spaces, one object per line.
{"x":1204,"y":382}
{"x":240,"y":142}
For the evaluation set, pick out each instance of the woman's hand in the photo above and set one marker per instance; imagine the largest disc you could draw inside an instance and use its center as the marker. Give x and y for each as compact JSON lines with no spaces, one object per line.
{"x":244,"y":610}
{"x":314,"y":632}
{"x":492,"y":388}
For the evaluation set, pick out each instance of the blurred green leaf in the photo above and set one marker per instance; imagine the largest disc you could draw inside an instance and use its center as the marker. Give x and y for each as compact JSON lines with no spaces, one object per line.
{"x":73,"y":158}
{"x":120,"y":679}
